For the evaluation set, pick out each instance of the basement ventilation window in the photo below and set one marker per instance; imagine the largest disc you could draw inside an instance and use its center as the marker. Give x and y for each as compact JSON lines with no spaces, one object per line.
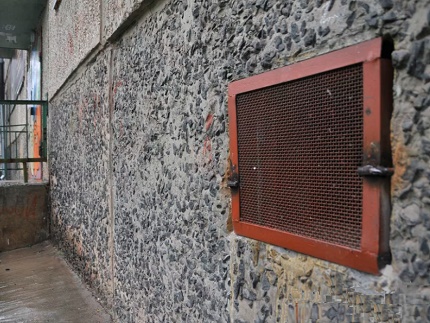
{"x":310,"y":156}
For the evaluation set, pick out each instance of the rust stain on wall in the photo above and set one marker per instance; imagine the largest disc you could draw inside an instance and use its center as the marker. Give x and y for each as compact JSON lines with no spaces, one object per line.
{"x":229,"y":222}
{"x":401,"y":163}
{"x":256,"y":252}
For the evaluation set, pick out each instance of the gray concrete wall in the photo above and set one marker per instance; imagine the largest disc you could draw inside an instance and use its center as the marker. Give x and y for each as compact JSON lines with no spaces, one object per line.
{"x":77,"y":29}
{"x":138,"y":156}
{"x":70,"y":33}
{"x":23,"y":214}
{"x":79,"y":172}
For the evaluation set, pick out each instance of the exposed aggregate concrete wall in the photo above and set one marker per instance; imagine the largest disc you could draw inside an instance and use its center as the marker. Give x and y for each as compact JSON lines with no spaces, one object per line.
{"x":79,"y":176}
{"x":148,"y":122}
{"x":117,"y":12}
{"x":72,"y":32}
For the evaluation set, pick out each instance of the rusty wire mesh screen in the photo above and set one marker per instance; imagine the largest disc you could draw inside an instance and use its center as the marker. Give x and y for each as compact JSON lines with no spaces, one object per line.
{"x":299,"y":147}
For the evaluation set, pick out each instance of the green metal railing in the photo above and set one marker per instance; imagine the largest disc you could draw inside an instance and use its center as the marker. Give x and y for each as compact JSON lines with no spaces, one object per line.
{"x":23,"y":136}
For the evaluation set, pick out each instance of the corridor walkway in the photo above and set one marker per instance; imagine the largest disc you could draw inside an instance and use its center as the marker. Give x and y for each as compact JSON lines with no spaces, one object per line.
{"x":36,"y":285}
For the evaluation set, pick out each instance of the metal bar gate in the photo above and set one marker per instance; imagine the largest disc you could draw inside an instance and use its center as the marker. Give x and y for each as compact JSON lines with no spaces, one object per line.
{"x":23,"y":139}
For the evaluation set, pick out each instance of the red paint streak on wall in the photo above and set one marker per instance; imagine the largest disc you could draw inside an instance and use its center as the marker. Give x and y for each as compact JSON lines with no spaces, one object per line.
{"x":96,"y":105}
{"x":70,"y":44}
{"x":116,"y":86}
{"x":121,"y":129}
{"x":207,"y":149}
{"x":209,"y":121}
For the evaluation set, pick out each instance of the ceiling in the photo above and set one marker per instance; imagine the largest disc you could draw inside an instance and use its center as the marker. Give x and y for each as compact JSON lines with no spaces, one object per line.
{"x":18,"y":21}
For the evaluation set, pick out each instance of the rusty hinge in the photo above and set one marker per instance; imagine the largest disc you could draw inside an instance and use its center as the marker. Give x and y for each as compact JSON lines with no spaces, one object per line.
{"x":233,"y":182}
{"x":369,"y":170}
{"x":233,"y":179}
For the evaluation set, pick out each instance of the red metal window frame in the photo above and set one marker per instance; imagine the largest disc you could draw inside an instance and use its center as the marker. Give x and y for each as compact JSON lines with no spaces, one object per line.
{"x":377,"y":107}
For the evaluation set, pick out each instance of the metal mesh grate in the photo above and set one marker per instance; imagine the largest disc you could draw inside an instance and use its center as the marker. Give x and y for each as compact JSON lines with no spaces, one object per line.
{"x":299,"y":146}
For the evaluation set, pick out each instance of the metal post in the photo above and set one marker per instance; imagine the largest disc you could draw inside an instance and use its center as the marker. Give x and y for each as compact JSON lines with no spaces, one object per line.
{"x":4,"y":146}
{"x":26,"y":129}
{"x":24,"y":166}
{"x":6,"y":117}
{"x":2,"y":92}
{"x":2,"y":85}
{"x":44,"y":141}
{"x":10,"y":137}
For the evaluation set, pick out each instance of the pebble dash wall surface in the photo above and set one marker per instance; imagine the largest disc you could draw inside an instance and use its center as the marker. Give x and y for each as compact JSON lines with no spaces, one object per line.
{"x":79,"y":177}
{"x":138,"y":161}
